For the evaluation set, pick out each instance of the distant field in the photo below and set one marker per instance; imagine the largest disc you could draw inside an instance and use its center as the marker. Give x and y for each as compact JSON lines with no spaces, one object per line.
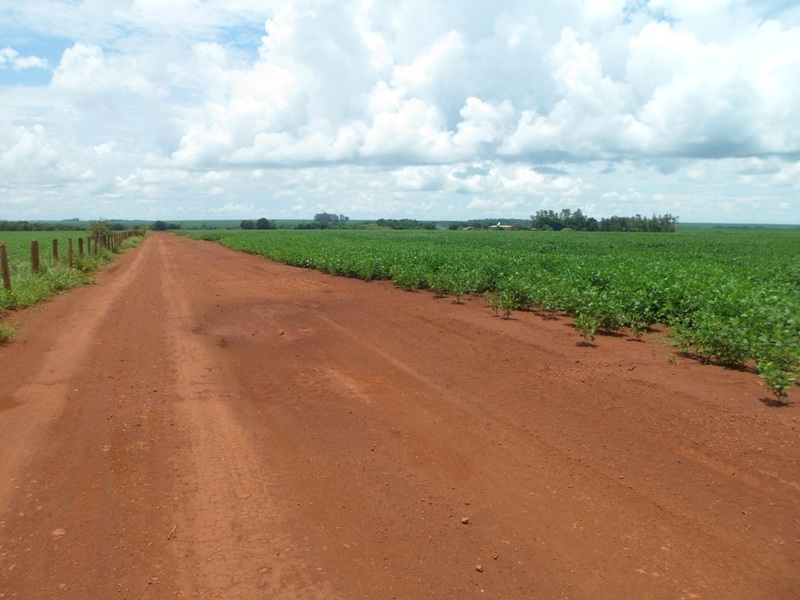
{"x":738,"y":227}
{"x":227,"y":224}
{"x":729,"y":296}
{"x":18,"y":244}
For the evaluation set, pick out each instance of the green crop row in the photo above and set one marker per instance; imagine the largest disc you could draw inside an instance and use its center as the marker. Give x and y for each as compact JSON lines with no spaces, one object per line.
{"x":732,"y":298}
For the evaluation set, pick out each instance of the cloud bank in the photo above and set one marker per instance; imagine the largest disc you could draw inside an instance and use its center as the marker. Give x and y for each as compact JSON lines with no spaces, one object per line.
{"x":406,"y":108}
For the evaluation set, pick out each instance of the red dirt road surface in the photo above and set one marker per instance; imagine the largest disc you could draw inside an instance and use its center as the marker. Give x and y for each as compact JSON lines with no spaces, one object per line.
{"x":207,"y":424}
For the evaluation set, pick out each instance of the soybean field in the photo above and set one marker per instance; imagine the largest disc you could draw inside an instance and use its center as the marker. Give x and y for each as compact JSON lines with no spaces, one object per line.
{"x":731,"y":297}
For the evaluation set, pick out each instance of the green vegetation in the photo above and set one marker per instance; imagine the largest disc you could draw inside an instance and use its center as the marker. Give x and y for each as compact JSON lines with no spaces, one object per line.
{"x":326,"y":221}
{"x":779,"y":378}
{"x":262,"y":223}
{"x":7,"y":332}
{"x":29,"y":288}
{"x":400,"y":224}
{"x":39,"y":225}
{"x":729,"y":297}
{"x":164,"y":226}
{"x":549,"y":220}
{"x":68,"y":225}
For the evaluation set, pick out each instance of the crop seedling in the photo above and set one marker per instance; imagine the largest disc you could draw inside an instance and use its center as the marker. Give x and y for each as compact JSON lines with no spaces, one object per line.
{"x":493,"y":299}
{"x":507,"y":303}
{"x":777,"y":380}
{"x":637,"y":329}
{"x":458,"y":287}
{"x":586,"y":326}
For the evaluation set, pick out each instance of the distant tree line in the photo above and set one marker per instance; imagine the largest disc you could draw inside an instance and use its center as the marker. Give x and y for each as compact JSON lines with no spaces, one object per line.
{"x":34,"y":226}
{"x":164,"y":226}
{"x":656,"y":223}
{"x":549,"y":220}
{"x":70,"y":225}
{"x":487,"y":223}
{"x":326,"y":221}
{"x":405,"y":224}
{"x":330,"y":218}
{"x":262,"y":223}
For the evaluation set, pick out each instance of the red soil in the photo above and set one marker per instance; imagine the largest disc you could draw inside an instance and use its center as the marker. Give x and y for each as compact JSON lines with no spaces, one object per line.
{"x":209,"y":424}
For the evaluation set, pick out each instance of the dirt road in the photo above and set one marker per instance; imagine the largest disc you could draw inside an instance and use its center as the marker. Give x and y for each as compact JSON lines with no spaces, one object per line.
{"x":208,"y":424}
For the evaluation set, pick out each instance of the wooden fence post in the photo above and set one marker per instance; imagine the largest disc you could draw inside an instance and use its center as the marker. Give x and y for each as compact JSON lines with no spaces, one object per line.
{"x":35,"y":256}
{"x":80,"y":246}
{"x":55,"y":250}
{"x":4,"y":263}
{"x":69,"y":263}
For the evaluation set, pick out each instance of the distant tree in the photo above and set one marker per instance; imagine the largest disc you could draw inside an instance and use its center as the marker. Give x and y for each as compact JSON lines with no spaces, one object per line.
{"x":309,"y":225}
{"x":99,"y":228}
{"x":577,"y":221}
{"x":248,"y":224}
{"x":547,"y":220}
{"x":163,"y":226}
{"x":263,"y":223}
{"x":667,"y":222}
{"x":327,"y":219}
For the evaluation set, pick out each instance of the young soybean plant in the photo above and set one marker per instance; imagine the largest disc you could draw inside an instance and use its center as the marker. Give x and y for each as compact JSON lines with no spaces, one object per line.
{"x":493,"y":300}
{"x":777,"y":379}
{"x":507,"y":303}
{"x":587,"y":326}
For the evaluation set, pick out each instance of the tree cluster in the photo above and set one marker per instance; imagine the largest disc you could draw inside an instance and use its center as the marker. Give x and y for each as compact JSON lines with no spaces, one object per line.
{"x":405,"y":224}
{"x":325,"y":221}
{"x":656,"y":223}
{"x":330,"y":218}
{"x":261,"y":223}
{"x":549,"y":220}
{"x":164,"y":226}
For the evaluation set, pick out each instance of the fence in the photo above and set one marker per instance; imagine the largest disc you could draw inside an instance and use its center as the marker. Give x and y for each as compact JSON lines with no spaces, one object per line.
{"x":92,"y":245}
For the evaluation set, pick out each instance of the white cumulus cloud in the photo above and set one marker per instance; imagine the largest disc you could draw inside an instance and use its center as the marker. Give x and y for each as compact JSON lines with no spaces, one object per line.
{"x":433,"y":109}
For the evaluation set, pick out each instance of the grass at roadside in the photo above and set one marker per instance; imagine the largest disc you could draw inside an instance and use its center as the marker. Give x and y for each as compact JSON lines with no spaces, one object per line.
{"x":7,"y":332}
{"x":29,"y":288}
{"x":131,"y":242}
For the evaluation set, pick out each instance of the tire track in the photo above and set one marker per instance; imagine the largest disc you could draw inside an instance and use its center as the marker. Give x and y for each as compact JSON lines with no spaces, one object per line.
{"x":234,"y":541}
{"x":40,"y":402}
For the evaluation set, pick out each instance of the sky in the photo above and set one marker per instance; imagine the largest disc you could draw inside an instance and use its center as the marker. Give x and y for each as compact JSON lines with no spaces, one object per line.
{"x":424,"y":109}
